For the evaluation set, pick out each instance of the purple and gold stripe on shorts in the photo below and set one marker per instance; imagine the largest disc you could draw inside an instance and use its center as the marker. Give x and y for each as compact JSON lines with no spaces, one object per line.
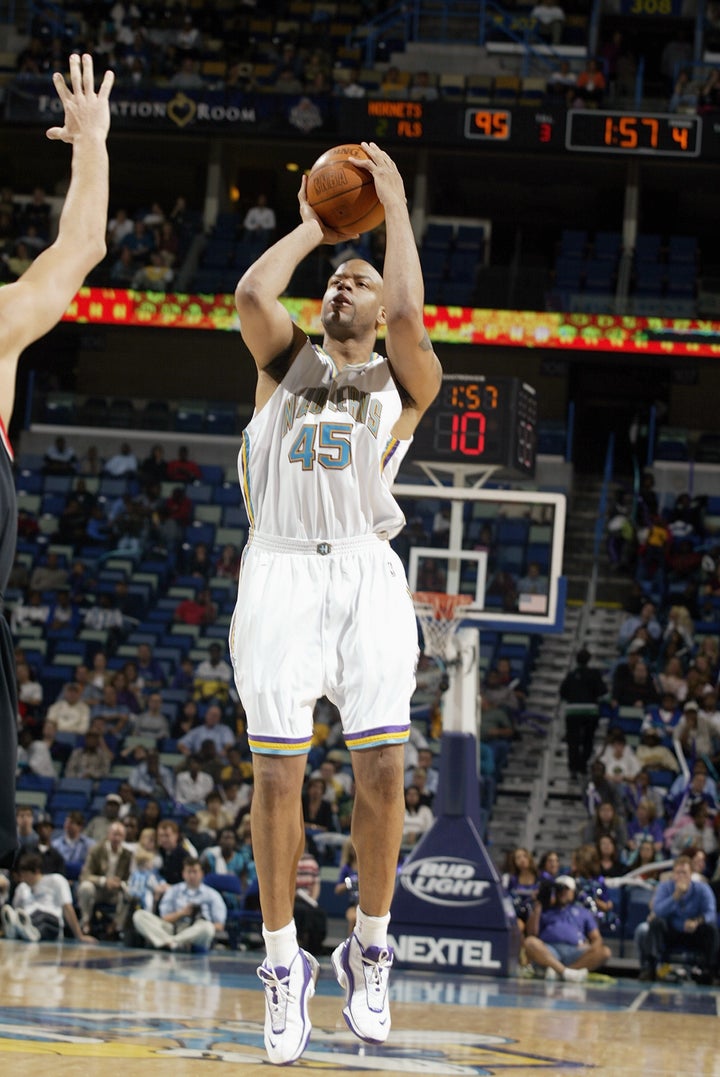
{"x":378,"y":738}
{"x":279,"y":745}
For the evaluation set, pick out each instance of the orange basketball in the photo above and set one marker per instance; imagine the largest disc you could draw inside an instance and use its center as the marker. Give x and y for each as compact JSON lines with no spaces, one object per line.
{"x":342,"y":195}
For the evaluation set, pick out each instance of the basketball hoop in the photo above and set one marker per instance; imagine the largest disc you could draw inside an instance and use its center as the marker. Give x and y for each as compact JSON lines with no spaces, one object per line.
{"x":439,"y":615}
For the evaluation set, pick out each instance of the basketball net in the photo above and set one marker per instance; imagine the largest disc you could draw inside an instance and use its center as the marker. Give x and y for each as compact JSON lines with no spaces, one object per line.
{"x":440,"y":616}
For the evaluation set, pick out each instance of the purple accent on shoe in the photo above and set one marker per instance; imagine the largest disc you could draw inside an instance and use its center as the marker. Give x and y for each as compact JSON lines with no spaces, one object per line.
{"x":287,"y":991}
{"x":366,"y":1011}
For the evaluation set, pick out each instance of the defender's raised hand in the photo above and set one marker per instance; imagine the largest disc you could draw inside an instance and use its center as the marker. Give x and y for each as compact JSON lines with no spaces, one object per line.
{"x":86,"y":112}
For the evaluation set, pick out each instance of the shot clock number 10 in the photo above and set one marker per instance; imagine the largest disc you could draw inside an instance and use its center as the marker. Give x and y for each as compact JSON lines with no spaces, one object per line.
{"x":477,"y":420}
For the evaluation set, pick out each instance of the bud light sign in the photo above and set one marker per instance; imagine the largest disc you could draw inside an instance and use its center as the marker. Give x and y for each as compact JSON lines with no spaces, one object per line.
{"x":450,"y":880}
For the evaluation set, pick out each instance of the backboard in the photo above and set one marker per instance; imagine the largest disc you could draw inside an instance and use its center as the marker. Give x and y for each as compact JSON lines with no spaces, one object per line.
{"x":503,"y":547}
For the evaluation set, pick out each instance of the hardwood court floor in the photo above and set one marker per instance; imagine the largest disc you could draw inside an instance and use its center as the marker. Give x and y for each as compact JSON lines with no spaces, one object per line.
{"x":104,"y":1010}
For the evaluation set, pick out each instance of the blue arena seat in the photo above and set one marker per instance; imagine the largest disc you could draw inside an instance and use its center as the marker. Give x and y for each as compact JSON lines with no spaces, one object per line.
{"x":65,"y":802}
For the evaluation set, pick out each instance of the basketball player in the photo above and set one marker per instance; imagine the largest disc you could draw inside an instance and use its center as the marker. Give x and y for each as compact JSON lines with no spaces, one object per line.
{"x":29,"y":308}
{"x":323,"y":604}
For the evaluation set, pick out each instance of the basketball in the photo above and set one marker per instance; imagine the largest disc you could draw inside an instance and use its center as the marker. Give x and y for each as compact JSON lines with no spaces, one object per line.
{"x":342,"y":195}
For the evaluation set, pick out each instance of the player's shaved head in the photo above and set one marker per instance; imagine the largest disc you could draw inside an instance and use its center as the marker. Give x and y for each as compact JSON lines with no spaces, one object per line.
{"x":358,"y":268}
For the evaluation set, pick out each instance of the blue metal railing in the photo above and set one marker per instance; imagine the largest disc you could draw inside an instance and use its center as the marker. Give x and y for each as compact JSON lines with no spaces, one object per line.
{"x":603,"y":504}
{"x":594,"y":26}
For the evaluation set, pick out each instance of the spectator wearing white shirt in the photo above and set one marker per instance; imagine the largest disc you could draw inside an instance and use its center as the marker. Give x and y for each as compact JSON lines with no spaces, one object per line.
{"x":123,"y":463}
{"x":213,"y":676}
{"x":259,"y":224}
{"x":30,"y":611}
{"x":40,"y":760}
{"x":40,"y":905}
{"x":118,"y":228}
{"x":551,"y":19}
{"x":103,"y":616}
{"x":193,"y":785}
{"x":60,"y":458}
{"x":621,"y":762}
{"x":212,"y":729}
{"x":70,"y":713}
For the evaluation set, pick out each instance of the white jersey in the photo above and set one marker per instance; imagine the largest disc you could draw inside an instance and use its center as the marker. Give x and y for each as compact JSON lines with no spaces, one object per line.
{"x":318,"y":461}
{"x":49,"y":895}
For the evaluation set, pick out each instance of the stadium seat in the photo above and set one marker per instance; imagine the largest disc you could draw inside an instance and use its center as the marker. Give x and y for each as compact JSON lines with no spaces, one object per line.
{"x":438,"y":236}
{"x":648,"y":247}
{"x":60,"y":409}
{"x":155,"y":416}
{"x":682,"y":249}
{"x":607,"y":245}
{"x":65,"y":802}
{"x":478,"y":89}
{"x":190,"y":418}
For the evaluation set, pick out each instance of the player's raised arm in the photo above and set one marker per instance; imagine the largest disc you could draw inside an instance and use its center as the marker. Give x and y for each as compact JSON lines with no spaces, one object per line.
{"x":408,"y":344}
{"x":266,"y":326}
{"x":32,"y":305}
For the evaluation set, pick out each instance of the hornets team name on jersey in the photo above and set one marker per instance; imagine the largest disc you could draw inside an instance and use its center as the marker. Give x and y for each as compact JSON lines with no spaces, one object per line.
{"x":348,"y":399}
{"x":318,"y":461}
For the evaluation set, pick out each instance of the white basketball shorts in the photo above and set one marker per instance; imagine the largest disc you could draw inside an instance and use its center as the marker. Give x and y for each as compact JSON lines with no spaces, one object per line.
{"x":318,"y":618}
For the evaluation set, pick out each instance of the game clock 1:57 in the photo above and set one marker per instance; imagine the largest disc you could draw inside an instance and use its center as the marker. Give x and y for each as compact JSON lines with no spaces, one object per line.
{"x":479,"y":420}
{"x":648,"y":134}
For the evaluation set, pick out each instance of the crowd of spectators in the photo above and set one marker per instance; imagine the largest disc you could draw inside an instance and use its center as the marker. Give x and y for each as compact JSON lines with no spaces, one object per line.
{"x":652,"y":809}
{"x":145,"y":245}
{"x":241,"y":47}
{"x":159,"y":745}
{"x":137,"y":764}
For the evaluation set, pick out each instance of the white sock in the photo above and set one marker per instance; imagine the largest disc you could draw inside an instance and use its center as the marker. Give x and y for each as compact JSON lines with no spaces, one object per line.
{"x":281,"y":946}
{"x":371,"y":930}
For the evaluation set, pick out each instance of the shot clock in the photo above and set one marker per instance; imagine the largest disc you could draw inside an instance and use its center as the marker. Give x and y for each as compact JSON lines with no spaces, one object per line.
{"x":649,"y":134}
{"x":478,"y":420}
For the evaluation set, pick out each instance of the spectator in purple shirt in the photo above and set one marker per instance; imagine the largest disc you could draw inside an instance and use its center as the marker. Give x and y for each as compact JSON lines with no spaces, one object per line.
{"x":563,"y":937}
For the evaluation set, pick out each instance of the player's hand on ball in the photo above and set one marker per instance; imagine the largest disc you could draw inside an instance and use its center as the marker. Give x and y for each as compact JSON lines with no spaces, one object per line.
{"x":388,"y":181}
{"x":308,"y":214}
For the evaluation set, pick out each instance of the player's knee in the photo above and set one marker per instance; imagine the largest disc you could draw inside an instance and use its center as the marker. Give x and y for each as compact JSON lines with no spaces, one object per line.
{"x":380,"y":774}
{"x":276,"y":781}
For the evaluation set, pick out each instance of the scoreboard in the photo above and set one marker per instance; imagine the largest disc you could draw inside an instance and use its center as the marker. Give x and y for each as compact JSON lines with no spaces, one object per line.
{"x":529,"y":129}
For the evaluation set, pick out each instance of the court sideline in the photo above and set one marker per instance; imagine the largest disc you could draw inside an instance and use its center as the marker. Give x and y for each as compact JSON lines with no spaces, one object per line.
{"x":112,"y":1010}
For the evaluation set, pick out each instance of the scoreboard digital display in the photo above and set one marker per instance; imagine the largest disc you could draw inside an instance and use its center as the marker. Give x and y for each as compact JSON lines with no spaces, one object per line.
{"x":477,"y":420}
{"x":648,"y":134}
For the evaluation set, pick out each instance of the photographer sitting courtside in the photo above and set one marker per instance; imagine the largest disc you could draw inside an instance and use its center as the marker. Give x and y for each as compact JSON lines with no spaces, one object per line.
{"x":561,"y":937}
{"x":190,"y":914}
